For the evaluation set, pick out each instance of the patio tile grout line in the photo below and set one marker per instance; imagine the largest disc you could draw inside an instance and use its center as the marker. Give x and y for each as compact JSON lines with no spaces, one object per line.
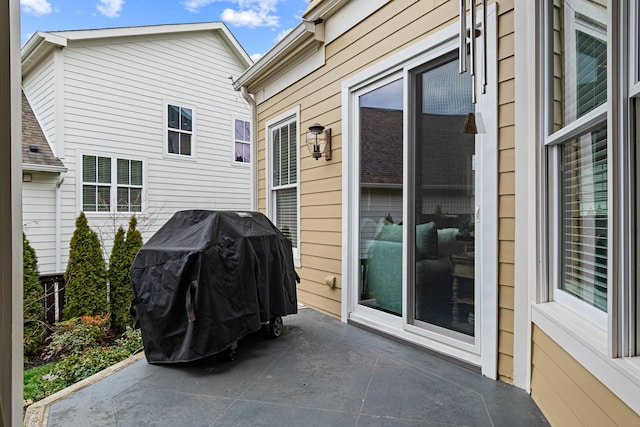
{"x":366,"y":391}
{"x":426,"y":371}
{"x":239,"y":397}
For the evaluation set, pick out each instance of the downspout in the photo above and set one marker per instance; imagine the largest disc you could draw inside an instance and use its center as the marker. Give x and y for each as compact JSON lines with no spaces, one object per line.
{"x":58,"y":243}
{"x":254,"y":146}
{"x":59,"y":223}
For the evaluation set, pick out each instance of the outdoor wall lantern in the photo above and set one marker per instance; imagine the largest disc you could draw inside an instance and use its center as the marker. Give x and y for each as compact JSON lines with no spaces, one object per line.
{"x":319,"y":141}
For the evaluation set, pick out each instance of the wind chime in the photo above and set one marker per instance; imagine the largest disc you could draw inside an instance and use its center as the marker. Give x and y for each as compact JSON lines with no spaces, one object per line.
{"x":472,"y":34}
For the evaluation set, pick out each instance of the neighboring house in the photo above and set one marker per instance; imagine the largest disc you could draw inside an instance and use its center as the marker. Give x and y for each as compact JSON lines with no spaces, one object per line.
{"x":513,"y":249}
{"x":42,"y":174}
{"x":146,"y":122}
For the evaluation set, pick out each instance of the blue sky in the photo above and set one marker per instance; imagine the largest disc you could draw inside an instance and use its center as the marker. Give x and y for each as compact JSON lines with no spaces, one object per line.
{"x":257,"y":24}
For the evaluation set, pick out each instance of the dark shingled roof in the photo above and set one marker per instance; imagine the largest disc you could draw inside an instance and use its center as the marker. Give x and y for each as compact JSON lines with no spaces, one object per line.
{"x":35,"y":148}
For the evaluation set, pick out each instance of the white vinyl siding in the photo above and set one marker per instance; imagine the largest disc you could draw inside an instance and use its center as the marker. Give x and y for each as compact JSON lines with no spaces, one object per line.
{"x":128,"y":84}
{"x":38,"y":218}
{"x":115,"y":92}
{"x":40,"y":90}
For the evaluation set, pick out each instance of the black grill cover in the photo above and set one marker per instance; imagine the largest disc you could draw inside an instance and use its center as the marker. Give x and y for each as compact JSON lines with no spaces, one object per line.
{"x":208,"y":278}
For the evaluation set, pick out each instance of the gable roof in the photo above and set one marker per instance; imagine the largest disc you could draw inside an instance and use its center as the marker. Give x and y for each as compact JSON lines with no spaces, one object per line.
{"x":42,"y":43}
{"x":36,"y":152}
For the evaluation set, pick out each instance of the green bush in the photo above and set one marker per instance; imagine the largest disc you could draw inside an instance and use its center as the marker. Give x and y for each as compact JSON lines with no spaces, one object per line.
{"x":45,"y":380}
{"x":121,"y":291}
{"x":119,"y":283}
{"x":86,"y":276}
{"x":35,"y":329}
{"x":77,"y":335}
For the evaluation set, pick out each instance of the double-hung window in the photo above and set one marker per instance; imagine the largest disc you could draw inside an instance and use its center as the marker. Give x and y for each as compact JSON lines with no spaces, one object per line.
{"x":111,"y":184}
{"x":577,"y":161}
{"x":179,"y":130}
{"x":283,"y":169}
{"x":591,"y":116}
{"x":242,"y":141}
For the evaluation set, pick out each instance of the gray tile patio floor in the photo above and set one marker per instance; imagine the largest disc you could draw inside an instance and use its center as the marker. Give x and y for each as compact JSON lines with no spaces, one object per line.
{"x":320,"y":372}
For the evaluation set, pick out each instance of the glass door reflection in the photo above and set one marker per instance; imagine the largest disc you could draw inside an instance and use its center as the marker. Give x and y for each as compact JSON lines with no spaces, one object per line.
{"x":443,"y":292}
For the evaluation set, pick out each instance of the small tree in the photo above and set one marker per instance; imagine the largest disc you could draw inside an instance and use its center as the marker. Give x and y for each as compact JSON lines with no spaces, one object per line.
{"x":134,"y":239}
{"x":35,"y":329}
{"x":119,"y":286}
{"x":121,"y":291}
{"x":86,"y":276}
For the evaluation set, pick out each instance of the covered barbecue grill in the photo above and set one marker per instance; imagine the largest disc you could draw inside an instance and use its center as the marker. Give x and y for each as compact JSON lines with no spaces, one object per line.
{"x":208,"y":278}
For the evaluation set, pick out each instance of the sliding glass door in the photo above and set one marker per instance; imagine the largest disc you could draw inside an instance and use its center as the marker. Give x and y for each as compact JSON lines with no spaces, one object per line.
{"x":443,"y":199}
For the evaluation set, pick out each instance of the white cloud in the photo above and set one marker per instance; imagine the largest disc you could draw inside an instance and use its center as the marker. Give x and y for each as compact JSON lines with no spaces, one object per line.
{"x":110,"y":8}
{"x":248,"y":13}
{"x":256,"y":56}
{"x":195,"y":5}
{"x":36,"y":7}
{"x":249,"y":18}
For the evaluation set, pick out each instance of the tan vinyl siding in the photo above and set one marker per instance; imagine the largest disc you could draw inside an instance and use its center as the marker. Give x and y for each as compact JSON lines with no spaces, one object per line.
{"x":506,"y":188}
{"x":389,"y":30}
{"x":568,"y":394}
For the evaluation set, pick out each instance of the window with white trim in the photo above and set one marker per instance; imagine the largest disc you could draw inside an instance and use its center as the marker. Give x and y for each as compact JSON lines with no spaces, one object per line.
{"x":591,"y":167}
{"x":576,"y":148}
{"x":283,"y":152}
{"x":102,"y":193}
{"x":179,"y":130}
{"x":242,"y":141}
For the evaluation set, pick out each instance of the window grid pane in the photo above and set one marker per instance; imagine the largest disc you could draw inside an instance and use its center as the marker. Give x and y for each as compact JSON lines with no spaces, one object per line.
{"x":579,"y":60}
{"x":123,"y":171}
{"x":180,"y":129}
{"x":585,"y":218}
{"x":287,"y":214}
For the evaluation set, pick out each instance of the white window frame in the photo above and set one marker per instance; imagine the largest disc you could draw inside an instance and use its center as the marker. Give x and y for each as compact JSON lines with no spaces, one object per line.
{"x":234,"y":141}
{"x":166,"y":129}
{"x":287,"y":116}
{"x":483,"y":352}
{"x":113,"y":186}
{"x":603,"y":351}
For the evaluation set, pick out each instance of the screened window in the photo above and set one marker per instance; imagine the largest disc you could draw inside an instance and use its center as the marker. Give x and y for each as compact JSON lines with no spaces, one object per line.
{"x":584,"y":223}
{"x":242,"y":141}
{"x":96,"y":184}
{"x":102,"y":193}
{"x":129,"y":185}
{"x":576,"y":145}
{"x":284,"y":179}
{"x":180,"y":130}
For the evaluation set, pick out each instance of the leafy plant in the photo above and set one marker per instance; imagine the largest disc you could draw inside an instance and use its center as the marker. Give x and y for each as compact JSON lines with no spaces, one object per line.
{"x":45,"y":380}
{"x":86,"y":276}
{"x":77,"y":335}
{"x":35,"y":329}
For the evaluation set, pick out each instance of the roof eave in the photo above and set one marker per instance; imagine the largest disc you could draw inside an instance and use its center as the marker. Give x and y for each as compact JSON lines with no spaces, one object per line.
{"x":304,"y":34}
{"x":32,"y":167}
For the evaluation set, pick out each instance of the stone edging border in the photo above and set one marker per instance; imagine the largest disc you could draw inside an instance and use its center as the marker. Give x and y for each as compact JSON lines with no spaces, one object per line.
{"x":37,"y":414}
